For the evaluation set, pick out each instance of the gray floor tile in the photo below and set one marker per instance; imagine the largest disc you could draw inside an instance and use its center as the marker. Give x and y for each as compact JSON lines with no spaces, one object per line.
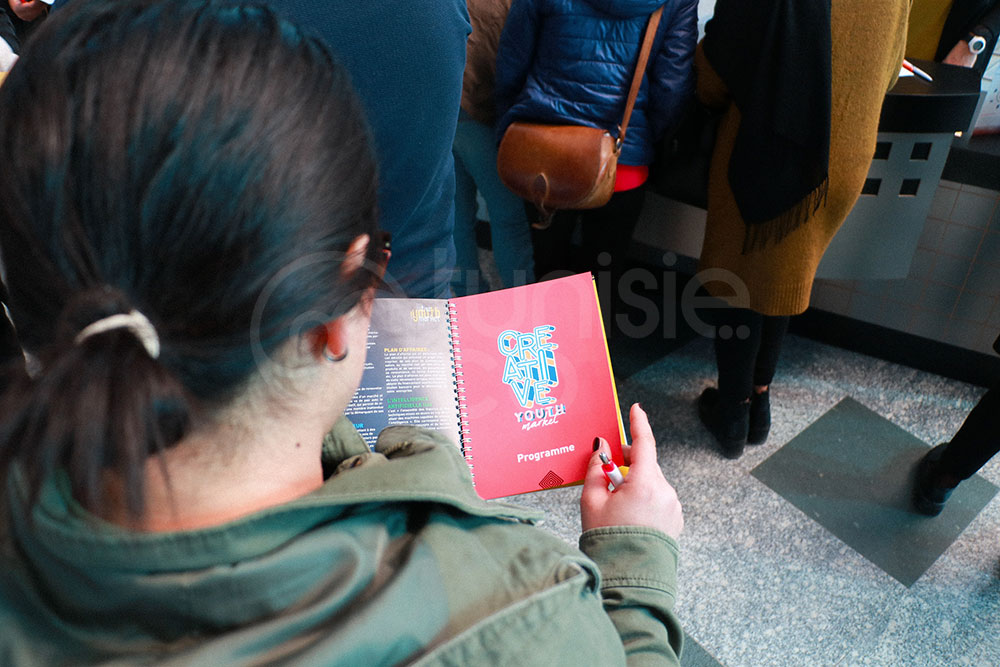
{"x":696,"y":656}
{"x":851,"y":471}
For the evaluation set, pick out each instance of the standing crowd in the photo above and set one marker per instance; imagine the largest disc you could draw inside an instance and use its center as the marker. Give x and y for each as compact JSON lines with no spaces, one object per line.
{"x":177,"y":480}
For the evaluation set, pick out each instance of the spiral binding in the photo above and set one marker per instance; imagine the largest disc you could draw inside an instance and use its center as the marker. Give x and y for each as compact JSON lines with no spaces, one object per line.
{"x":459,"y":383}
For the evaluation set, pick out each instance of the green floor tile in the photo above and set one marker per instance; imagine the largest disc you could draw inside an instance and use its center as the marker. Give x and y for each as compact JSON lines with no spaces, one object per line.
{"x":852,"y":471}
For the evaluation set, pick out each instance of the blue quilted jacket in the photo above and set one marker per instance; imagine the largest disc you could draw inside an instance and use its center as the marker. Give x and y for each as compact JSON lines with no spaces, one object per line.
{"x":571,"y":61}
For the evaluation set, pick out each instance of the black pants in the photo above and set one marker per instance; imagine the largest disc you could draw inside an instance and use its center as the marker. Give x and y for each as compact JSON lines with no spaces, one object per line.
{"x":747,"y":346}
{"x":605,"y":229}
{"x":976,"y":442}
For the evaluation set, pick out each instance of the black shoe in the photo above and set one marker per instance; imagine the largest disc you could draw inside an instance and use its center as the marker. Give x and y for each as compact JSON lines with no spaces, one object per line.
{"x":928,"y":497}
{"x":728,"y":423}
{"x":760,"y":417}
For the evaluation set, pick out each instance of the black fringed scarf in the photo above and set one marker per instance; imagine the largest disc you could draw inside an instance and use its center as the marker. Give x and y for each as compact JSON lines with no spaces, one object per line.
{"x":774,"y":57}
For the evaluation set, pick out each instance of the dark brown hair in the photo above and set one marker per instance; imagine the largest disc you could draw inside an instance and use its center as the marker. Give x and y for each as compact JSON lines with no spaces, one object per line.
{"x":203,"y":163}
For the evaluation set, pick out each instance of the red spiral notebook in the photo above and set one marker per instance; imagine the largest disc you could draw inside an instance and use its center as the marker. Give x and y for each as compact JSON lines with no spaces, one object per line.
{"x":519,"y":378}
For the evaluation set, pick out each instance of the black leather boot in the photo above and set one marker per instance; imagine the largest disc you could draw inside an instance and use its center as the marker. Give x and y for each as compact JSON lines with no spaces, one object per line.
{"x":929,"y":496}
{"x":760,"y":417}
{"x":729,"y":423}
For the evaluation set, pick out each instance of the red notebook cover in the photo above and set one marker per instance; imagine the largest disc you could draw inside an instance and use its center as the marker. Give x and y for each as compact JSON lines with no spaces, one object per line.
{"x":528,"y":387}
{"x":535,"y":384}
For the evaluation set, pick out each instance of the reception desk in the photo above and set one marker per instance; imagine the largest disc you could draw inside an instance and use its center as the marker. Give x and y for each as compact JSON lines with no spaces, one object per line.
{"x":879,"y":239}
{"x":917,"y":127}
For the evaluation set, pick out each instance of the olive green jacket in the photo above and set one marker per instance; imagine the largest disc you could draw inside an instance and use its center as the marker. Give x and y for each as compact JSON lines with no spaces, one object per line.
{"x":394,"y":560}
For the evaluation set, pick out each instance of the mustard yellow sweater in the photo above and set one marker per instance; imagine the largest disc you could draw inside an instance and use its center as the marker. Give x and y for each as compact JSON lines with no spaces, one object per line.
{"x":867,"y":49}
{"x":927,"y":19}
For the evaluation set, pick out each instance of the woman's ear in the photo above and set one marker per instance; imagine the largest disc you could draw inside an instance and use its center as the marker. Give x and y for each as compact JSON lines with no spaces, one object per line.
{"x":337,"y":339}
{"x":330,"y":340}
{"x":356,"y":253}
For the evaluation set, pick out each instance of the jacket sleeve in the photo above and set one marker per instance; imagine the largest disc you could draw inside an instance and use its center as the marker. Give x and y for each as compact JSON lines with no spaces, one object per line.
{"x":979,"y":16}
{"x":515,"y":53}
{"x":639,"y":587}
{"x":671,"y":79}
{"x":988,"y":22}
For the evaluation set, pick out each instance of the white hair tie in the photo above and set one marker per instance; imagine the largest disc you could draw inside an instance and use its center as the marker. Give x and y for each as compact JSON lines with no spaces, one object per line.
{"x":134,"y":321}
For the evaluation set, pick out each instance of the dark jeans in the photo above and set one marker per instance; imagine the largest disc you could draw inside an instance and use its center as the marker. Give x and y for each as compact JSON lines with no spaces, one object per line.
{"x":605,"y":229}
{"x":747,"y":346}
{"x":976,"y":442}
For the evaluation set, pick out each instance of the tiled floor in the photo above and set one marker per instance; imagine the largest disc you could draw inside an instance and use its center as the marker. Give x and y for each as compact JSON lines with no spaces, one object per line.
{"x":764,"y":581}
{"x":862,"y":494}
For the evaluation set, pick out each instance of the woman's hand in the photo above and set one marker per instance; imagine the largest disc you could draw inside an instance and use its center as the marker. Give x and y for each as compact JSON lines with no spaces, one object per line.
{"x":28,"y":10}
{"x":961,"y":55}
{"x":646,"y":498}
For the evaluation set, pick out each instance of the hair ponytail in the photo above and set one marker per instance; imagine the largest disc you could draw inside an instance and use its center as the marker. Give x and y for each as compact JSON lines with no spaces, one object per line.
{"x":99,"y":405}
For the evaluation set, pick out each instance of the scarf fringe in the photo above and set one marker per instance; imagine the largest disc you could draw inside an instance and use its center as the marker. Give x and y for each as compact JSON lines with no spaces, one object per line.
{"x":760,"y":236}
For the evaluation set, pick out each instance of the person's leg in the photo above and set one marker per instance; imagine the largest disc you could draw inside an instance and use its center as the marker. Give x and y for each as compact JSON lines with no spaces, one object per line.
{"x":551,"y":246}
{"x":948,"y":464}
{"x":609,"y":229}
{"x":725,"y":411}
{"x":976,"y":442}
{"x":738,"y":336}
{"x":605,"y":236}
{"x":773,"y":331}
{"x":509,"y":227}
{"x":467,"y":278}
{"x":772,"y":334}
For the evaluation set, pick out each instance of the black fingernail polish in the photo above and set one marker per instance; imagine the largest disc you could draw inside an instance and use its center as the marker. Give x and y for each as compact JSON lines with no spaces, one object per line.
{"x":597,"y":444}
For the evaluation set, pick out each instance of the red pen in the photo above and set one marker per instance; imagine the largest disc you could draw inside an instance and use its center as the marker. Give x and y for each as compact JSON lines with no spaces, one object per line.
{"x":907,"y":65}
{"x":611,"y":472}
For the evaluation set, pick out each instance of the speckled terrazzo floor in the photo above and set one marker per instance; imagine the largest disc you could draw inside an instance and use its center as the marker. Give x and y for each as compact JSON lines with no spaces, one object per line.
{"x":761,"y":581}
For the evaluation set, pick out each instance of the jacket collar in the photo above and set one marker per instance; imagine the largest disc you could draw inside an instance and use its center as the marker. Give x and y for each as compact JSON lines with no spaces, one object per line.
{"x":409,"y":465}
{"x":121,"y":583}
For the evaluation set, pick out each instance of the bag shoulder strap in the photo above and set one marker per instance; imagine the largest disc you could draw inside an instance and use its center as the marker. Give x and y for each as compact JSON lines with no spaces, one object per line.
{"x":640,"y":70}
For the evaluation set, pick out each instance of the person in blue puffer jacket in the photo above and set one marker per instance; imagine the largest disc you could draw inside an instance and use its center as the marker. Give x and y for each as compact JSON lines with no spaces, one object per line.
{"x":571,"y":61}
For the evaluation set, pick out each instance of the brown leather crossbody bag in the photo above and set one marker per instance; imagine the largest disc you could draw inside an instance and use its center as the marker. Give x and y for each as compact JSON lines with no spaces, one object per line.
{"x":568,"y":166}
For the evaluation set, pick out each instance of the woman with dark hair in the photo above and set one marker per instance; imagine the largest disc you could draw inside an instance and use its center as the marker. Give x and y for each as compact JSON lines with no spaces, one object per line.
{"x":190,"y":262}
{"x":800,"y":84}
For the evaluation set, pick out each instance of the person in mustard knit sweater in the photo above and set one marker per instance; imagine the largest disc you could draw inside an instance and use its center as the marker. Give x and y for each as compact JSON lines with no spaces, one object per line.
{"x":801,"y":92}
